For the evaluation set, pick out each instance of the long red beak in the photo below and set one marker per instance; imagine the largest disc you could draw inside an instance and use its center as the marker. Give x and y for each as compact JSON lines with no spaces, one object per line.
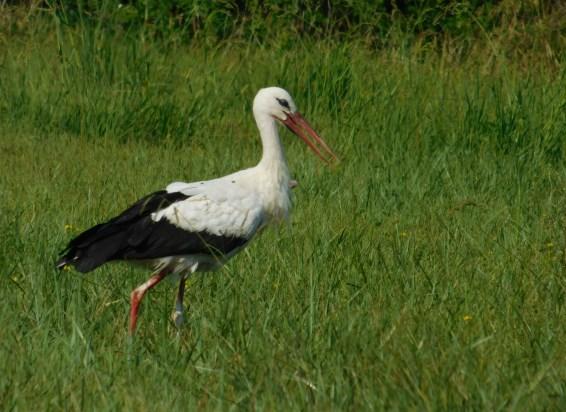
{"x":303,"y":129}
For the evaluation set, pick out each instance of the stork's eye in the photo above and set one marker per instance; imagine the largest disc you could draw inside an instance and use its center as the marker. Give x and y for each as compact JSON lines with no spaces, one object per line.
{"x":284,"y":103}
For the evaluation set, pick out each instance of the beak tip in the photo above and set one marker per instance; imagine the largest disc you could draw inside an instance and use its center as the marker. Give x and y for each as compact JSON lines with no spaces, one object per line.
{"x":298,"y":125}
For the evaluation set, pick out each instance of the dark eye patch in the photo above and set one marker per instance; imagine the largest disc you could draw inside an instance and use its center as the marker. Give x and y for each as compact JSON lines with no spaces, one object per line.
{"x":284,"y":103}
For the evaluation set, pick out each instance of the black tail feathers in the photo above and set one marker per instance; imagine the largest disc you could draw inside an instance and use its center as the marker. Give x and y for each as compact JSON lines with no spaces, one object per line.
{"x":94,"y":247}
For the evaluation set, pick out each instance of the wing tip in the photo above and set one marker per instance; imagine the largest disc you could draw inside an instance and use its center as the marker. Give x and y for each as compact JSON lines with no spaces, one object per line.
{"x":64,"y":262}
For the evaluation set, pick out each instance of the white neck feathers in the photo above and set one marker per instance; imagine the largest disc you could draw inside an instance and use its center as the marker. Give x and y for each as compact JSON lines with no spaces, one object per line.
{"x":273,"y":168}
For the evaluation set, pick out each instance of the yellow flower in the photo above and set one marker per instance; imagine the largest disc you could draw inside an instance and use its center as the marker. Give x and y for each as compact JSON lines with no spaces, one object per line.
{"x":550,"y":245}
{"x":403,"y":234}
{"x":467,"y":318}
{"x":67,"y":268}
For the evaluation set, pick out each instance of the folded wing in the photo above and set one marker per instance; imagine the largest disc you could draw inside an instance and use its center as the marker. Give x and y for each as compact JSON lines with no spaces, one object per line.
{"x":209,"y":221}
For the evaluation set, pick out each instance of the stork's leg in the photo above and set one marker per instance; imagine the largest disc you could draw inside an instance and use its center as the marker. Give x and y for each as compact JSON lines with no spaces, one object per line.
{"x":137,"y":296}
{"x":178,"y":316}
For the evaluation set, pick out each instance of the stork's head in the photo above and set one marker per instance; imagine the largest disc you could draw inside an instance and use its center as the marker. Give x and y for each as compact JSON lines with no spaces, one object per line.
{"x":278,"y":103}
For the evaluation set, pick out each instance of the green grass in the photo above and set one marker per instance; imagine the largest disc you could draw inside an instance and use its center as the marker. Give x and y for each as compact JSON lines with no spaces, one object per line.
{"x":426,"y":272}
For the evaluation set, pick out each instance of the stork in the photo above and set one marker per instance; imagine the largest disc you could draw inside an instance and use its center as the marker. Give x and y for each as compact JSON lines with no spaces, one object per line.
{"x":199,"y":226}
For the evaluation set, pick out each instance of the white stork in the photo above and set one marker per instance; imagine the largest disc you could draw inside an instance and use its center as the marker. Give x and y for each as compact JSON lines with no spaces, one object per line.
{"x":197,"y":227}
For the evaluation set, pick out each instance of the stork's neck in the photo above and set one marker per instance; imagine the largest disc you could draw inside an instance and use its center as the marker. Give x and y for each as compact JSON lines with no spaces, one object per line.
{"x":273,"y":175}
{"x":273,"y":159}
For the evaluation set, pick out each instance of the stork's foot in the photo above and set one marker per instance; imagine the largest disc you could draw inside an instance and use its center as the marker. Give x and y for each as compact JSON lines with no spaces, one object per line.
{"x":178,"y":317}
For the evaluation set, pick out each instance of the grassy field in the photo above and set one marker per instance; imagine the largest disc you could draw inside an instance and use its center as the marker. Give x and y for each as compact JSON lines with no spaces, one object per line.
{"x":426,"y":272}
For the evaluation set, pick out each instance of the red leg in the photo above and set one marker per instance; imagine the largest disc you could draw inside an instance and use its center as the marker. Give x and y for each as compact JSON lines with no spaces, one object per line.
{"x":137,"y":296}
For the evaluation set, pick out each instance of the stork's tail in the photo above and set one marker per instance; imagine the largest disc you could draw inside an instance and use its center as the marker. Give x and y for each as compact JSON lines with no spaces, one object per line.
{"x":93,"y":247}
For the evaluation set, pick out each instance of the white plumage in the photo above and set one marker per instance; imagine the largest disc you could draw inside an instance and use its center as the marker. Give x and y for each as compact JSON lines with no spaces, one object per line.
{"x":198,"y":226}
{"x":228,"y":206}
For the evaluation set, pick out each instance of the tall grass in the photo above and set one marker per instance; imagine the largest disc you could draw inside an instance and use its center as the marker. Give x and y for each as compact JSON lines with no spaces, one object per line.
{"x":426,"y":272}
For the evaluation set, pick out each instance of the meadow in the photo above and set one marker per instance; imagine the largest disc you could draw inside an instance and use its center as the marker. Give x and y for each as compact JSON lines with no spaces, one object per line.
{"x":425,"y":272}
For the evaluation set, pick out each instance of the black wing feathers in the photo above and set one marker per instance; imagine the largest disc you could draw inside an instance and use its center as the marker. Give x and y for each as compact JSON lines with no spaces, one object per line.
{"x":143,"y":207}
{"x":149,"y":240}
{"x":134,"y":235}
